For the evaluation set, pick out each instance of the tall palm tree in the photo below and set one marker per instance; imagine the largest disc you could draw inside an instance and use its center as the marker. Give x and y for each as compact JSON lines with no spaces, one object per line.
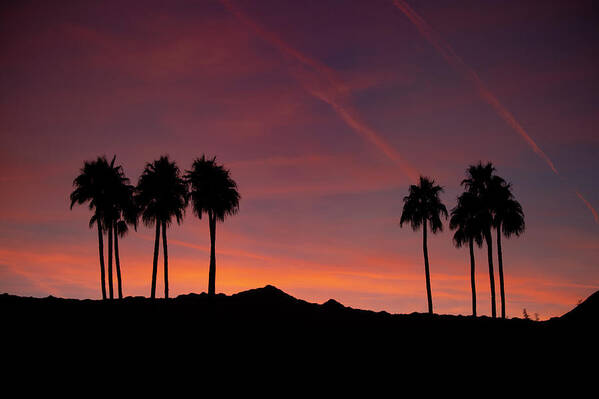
{"x":92,"y":186}
{"x":124,"y":213}
{"x":466,"y":221}
{"x":214,"y":193}
{"x":120,"y":230}
{"x":119,"y":206}
{"x":483,"y":184}
{"x":508,"y":219}
{"x":161,"y":195}
{"x":423,"y":206}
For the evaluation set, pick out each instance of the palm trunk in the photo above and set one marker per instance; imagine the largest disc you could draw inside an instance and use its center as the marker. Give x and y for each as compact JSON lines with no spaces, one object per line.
{"x":101,"y":251}
{"x":212,"y":272}
{"x":155,"y":264}
{"x":500,"y":259}
{"x":165,"y":259}
{"x":110,"y":282}
{"x":117,"y":261}
{"x":472,"y":277}
{"x":489,"y":241}
{"x":426,"y":270}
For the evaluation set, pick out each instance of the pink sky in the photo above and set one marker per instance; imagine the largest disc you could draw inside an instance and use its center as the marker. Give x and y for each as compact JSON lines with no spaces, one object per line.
{"x":325,"y":112}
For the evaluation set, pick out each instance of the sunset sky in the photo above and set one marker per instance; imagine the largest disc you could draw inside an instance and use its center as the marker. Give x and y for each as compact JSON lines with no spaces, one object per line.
{"x":325,"y":112}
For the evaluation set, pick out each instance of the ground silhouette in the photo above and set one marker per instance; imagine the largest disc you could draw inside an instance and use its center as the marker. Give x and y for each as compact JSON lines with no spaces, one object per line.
{"x":266,"y":310}
{"x":269,"y":336}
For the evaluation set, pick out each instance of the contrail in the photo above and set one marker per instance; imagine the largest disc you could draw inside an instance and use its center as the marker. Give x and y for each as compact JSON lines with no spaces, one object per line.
{"x":285,"y":48}
{"x":461,"y":67}
{"x":457,"y":63}
{"x":351,"y":119}
{"x":588,"y":204}
{"x":335,"y":99}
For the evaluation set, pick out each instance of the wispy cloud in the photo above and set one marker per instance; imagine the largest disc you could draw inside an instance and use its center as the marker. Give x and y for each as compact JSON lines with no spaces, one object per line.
{"x":334,"y":92}
{"x":461,"y":67}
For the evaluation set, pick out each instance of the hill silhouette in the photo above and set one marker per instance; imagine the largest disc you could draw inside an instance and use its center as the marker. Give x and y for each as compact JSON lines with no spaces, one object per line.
{"x":267,"y":305}
{"x":269,"y":322}
{"x":586,"y":312}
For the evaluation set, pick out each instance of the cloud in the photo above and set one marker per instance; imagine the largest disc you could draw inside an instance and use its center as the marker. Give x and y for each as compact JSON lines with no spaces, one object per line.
{"x":328,"y":87}
{"x":461,"y":67}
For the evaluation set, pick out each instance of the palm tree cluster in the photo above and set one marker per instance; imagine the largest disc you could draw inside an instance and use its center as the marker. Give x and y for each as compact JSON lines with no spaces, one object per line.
{"x":161,"y":196}
{"x":163,"y":193}
{"x":486,"y":204}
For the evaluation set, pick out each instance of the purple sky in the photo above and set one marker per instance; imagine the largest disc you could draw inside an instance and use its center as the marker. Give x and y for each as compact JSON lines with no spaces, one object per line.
{"x":324,"y":112}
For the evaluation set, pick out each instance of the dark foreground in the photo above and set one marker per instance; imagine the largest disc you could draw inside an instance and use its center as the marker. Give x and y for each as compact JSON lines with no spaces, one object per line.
{"x":266,"y":323}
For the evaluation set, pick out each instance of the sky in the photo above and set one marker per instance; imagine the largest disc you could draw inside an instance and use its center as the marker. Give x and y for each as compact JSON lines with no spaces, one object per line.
{"x":325,"y":112}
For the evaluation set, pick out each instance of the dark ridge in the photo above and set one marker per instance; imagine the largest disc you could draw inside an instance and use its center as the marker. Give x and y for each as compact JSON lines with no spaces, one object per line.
{"x":266,"y":325}
{"x":270,"y":297}
{"x":268,"y":293}
{"x":268,"y":319}
{"x":586,"y":312}
{"x":331,"y":303}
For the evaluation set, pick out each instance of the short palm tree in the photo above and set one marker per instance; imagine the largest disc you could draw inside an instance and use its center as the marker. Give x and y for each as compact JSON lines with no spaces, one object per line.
{"x":214,"y":193}
{"x":91,"y":186}
{"x":466,"y":221}
{"x":482,"y":183}
{"x":161,"y":195}
{"x":508,"y":219}
{"x":421,"y":207}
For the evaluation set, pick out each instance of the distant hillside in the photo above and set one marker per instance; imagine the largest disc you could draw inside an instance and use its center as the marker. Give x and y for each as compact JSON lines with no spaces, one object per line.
{"x":267,"y":304}
{"x":267,"y":321}
{"x":586,"y":312}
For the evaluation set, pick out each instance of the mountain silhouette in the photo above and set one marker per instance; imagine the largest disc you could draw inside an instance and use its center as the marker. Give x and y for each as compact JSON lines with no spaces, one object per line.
{"x":269,"y":323}
{"x":262,"y":304}
{"x":586,"y":312}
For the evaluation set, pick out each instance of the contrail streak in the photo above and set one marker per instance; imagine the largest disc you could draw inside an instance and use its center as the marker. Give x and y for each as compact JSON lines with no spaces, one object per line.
{"x":351,"y":119}
{"x":334,"y":97}
{"x":588,"y":204}
{"x":285,"y":48}
{"x":461,"y":67}
{"x":457,"y":63}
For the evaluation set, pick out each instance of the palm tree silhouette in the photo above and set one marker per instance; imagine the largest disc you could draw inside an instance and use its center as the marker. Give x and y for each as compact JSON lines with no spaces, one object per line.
{"x":120,"y":230}
{"x":213,"y":192}
{"x":423,"y":206}
{"x":508,"y":219}
{"x":161,"y":195}
{"x":466,"y":221}
{"x":92,"y":185}
{"x":482,"y":183}
{"x":124,"y":212}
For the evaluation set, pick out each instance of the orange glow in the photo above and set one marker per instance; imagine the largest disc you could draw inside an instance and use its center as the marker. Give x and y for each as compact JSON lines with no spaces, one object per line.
{"x":325,"y":113}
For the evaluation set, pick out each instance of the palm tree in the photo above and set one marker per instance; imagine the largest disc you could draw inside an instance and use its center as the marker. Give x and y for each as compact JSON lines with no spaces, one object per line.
{"x":124,"y":213}
{"x":482,"y":183}
{"x":161,"y":195}
{"x":466,"y":221}
{"x":120,"y":229}
{"x":213,"y":192}
{"x":119,"y":206}
{"x":92,"y":186}
{"x":423,"y":206}
{"x":508,"y":219}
